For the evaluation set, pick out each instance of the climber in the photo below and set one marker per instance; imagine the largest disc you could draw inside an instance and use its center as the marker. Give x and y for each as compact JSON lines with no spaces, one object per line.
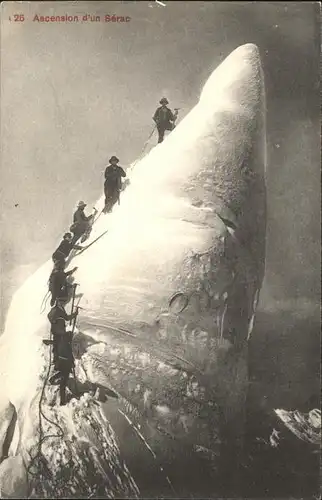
{"x":64,"y":248}
{"x":164,"y":118}
{"x":58,"y":317}
{"x":64,"y":365}
{"x":113,"y":183}
{"x":58,"y":285}
{"x":81,"y":223}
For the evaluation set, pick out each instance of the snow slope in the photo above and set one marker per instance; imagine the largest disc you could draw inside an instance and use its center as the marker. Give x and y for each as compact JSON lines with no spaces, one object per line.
{"x":169,"y":294}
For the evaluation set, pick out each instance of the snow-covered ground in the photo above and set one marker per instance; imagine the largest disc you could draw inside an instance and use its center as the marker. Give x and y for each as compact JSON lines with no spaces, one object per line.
{"x":169,"y":292}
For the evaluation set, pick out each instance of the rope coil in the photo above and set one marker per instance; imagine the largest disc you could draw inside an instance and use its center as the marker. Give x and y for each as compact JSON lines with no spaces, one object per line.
{"x":42,"y":437}
{"x":41,"y":464}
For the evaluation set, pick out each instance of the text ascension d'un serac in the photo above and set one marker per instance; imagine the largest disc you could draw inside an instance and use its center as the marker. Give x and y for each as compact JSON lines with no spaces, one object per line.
{"x":86,"y":18}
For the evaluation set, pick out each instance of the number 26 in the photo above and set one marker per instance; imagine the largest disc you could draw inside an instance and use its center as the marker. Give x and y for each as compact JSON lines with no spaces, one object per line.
{"x":19,"y":18}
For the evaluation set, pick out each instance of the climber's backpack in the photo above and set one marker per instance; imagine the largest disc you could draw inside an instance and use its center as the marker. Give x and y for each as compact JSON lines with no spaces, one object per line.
{"x":51,"y":281}
{"x":52,"y":315}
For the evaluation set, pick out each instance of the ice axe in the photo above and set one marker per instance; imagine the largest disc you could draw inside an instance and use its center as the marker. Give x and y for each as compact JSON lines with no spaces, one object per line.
{"x":176,"y":113}
{"x":77,"y":307}
{"x":48,"y":342}
{"x":92,"y":217}
{"x":73,"y":300}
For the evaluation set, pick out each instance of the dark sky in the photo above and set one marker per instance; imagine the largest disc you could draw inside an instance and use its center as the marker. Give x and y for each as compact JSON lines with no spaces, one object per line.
{"x":73,"y":94}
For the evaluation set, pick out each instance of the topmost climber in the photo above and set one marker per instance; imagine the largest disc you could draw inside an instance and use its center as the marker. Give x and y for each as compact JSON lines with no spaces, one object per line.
{"x":164,"y":118}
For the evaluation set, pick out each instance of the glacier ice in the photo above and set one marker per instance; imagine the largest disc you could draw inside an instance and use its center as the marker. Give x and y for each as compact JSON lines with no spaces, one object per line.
{"x":8,"y":417}
{"x":169,"y":298}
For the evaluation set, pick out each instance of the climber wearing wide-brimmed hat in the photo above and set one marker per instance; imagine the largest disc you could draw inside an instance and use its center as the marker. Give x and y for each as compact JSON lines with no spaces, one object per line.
{"x":113,"y":183}
{"x":58,"y":283}
{"x":113,"y":160}
{"x":81,"y":223}
{"x":58,"y":318}
{"x":164,"y":118}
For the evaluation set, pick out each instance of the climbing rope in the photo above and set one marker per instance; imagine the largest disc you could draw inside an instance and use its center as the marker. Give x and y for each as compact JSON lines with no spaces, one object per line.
{"x":41,"y":414}
{"x":144,"y":147}
{"x":44,"y":302}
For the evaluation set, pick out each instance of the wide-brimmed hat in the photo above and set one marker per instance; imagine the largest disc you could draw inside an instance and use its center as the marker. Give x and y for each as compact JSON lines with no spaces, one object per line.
{"x":113,"y":158}
{"x":164,"y":100}
{"x":81,"y":204}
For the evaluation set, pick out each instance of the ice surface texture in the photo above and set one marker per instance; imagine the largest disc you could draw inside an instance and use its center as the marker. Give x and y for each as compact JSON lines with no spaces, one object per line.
{"x":170,"y":293}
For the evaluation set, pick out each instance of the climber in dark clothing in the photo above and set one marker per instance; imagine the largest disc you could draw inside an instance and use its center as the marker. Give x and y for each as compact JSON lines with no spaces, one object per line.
{"x":65,"y":364}
{"x":58,"y":285}
{"x":58,"y":317}
{"x":64,"y":248}
{"x":113,"y":183}
{"x":81,"y":223}
{"x":164,"y":118}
